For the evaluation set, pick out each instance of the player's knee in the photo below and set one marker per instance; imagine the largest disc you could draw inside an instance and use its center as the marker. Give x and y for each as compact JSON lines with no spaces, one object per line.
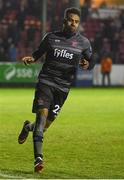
{"x":40,"y":121}
{"x":43,"y":112}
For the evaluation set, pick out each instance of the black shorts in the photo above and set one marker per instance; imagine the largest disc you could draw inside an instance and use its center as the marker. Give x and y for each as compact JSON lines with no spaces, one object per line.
{"x":48,"y":97}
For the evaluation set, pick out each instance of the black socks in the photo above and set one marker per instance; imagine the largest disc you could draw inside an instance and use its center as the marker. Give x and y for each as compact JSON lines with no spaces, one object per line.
{"x":38,"y":134}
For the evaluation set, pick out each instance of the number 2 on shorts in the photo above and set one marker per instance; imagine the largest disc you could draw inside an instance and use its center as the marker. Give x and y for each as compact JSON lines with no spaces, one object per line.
{"x":57,"y":108}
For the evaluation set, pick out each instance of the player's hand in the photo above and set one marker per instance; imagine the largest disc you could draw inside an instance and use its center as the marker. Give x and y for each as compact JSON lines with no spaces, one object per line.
{"x":84,"y":64}
{"x":28,"y":60}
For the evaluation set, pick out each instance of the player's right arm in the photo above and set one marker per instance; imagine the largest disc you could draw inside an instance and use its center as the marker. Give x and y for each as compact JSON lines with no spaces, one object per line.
{"x":37,"y":53}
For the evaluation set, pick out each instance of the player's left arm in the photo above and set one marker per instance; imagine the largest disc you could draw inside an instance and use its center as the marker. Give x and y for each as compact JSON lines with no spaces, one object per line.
{"x":88,"y":60}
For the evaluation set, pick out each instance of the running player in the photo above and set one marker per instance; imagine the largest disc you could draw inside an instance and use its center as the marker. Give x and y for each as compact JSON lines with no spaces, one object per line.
{"x":64,"y":50}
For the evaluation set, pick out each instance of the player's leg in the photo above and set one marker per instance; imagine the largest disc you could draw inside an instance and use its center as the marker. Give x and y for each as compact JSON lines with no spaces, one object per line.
{"x":29,"y":127}
{"x":57,"y":103}
{"x":40,"y":122}
{"x":54,"y":110}
{"x":109,"y":80}
{"x":103,"y":79}
{"x":41,"y":90}
{"x":44,"y":119}
{"x":43,"y":122}
{"x":41,"y":104}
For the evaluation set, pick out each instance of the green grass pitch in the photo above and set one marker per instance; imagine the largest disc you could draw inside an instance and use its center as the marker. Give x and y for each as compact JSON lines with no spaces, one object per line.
{"x":85,"y":141}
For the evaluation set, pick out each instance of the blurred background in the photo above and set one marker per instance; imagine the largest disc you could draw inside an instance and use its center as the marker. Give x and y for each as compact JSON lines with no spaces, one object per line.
{"x":24,"y":22}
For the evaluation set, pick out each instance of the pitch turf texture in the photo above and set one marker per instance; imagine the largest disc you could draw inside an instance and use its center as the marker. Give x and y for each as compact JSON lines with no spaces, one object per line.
{"x":85,"y":141}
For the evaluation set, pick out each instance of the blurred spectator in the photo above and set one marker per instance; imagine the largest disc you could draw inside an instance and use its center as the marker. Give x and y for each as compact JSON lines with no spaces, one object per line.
{"x":109,"y":29}
{"x":98,"y":43}
{"x":106,"y":47}
{"x":12,"y":31}
{"x":115,"y":47}
{"x":35,"y":7}
{"x":20,"y":24}
{"x":12,"y":53}
{"x":31,"y":33}
{"x":106,"y":66}
{"x":3,"y":55}
{"x":22,"y":13}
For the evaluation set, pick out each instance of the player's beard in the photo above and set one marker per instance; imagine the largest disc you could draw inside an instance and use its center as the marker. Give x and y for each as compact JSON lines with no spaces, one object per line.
{"x":70,"y":29}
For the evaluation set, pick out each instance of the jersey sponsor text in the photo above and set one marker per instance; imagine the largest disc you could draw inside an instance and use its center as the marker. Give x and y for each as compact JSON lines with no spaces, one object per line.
{"x":63,"y":53}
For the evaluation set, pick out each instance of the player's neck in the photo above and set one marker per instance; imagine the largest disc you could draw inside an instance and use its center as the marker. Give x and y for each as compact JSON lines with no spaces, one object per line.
{"x":68,"y":33}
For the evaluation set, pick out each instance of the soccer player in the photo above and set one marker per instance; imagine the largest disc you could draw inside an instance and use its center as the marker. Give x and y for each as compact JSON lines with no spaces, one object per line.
{"x":64,"y":50}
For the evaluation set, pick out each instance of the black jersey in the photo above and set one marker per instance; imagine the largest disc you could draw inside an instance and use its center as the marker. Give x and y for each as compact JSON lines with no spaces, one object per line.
{"x":63,"y":53}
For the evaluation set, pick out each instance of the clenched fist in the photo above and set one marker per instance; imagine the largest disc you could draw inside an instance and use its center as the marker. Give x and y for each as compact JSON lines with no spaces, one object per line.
{"x":28,"y":60}
{"x":84,"y":64}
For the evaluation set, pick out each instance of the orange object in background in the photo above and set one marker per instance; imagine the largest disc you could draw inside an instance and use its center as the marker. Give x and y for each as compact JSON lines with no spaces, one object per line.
{"x":98,"y":3}
{"x":106,"y":65}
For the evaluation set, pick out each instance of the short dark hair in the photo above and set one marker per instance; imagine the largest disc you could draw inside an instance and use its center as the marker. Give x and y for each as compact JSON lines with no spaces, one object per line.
{"x":72,"y":10}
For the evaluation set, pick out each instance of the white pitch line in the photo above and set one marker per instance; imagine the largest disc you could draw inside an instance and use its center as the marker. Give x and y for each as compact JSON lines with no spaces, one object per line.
{"x":10,"y":176}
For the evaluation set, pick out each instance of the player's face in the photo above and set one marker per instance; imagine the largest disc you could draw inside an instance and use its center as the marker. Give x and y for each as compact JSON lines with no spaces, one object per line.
{"x":72,"y":23}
